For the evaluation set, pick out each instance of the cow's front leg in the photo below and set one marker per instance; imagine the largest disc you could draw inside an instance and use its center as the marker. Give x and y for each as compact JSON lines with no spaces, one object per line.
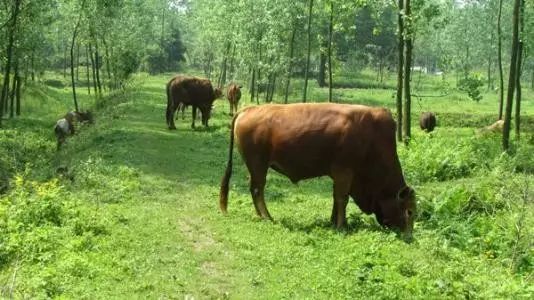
{"x":342,"y":183}
{"x":194,"y":116}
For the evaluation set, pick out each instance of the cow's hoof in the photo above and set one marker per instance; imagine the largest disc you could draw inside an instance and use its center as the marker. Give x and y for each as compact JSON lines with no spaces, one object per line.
{"x":172,"y":128}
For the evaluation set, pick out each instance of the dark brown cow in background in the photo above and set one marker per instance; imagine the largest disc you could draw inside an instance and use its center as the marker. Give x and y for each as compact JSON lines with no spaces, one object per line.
{"x":186,"y":90}
{"x":355,"y":145}
{"x":427,"y":121}
{"x":234,"y":95}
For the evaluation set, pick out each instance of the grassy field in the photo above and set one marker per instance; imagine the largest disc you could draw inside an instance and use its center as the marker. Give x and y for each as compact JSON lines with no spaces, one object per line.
{"x":136,"y":215}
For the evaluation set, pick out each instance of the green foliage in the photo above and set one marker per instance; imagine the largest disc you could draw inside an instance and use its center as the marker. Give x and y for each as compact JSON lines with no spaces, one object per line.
{"x":471,"y":85}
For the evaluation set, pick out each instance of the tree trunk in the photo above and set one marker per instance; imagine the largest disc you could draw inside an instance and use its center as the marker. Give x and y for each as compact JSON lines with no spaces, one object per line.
{"x":407,"y":70}
{"x":321,"y":80}
{"x":499,"y":60}
{"x":253,"y":85}
{"x":511,"y":78}
{"x":93,"y":68}
{"x":400,"y":69}
{"x":65,"y":60}
{"x":77,"y":61}
{"x":19,"y":84}
{"x":489,"y":72}
{"x":87,"y":70}
{"x":97,"y":65}
{"x":74,"y":35}
{"x":290,"y":62}
{"x":9,"y":56}
{"x":309,"y":53}
{"x":519,"y":70}
{"x":330,"y":33}
{"x":33,"y":65}
{"x":14,"y":90}
{"x":108,"y":70}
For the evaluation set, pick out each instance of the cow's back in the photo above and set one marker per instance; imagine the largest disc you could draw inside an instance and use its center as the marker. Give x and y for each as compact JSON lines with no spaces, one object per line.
{"x":306,"y":140}
{"x":191,"y":90}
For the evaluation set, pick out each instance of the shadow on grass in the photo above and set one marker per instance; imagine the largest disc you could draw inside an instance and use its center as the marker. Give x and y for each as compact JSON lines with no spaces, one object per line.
{"x":355,"y":224}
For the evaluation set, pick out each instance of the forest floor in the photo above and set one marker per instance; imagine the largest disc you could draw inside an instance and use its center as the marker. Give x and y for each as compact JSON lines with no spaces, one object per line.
{"x":136,"y":215}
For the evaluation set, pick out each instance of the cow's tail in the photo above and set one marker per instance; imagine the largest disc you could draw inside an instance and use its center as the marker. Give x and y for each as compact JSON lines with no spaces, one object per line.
{"x":168,"y":115}
{"x":223,"y":195}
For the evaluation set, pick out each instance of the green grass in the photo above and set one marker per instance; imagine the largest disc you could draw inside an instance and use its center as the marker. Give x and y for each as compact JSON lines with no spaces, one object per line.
{"x":140,"y":218}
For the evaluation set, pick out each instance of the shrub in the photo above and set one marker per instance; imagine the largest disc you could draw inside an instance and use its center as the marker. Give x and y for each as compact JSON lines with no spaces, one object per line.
{"x":471,"y":85}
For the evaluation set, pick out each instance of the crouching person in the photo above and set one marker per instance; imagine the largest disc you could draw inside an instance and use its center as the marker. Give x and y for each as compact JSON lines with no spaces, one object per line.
{"x":64,"y":127}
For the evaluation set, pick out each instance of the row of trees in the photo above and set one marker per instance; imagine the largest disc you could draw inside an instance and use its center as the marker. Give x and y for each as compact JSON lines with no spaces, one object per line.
{"x":108,"y":40}
{"x":267,"y":43}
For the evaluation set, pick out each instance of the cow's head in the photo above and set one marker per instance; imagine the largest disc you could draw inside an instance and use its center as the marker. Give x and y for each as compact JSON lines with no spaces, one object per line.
{"x":399,"y":213}
{"x":217,"y":92}
{"x":206,"y":113}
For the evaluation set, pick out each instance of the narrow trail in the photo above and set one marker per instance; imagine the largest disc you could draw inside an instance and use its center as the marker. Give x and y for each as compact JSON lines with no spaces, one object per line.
{"x":171,"y":209}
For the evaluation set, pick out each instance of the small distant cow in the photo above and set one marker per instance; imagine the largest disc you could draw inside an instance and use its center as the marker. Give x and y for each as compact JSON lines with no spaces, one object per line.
{"x":64,"y":127}
{"x":186,"y":90}
{"x":233,"y":94}
{"x":427,"y":121}
{"x":493,"y":128}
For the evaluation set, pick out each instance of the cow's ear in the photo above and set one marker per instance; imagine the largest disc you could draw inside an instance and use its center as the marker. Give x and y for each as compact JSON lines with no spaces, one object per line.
{"x":405,"y":193}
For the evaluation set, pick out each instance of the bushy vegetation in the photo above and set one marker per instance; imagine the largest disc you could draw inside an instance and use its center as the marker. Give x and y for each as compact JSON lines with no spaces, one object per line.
{"x":130,"y":208}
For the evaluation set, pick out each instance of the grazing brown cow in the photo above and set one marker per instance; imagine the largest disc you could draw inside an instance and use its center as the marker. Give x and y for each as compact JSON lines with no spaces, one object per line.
{"x":355,"y":145}
{"x":233,"y":94}
{"x":197,"y":92}
{"x":427,"y":121}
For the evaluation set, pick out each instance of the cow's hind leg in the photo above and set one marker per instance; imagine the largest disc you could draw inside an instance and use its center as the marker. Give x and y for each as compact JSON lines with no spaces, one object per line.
{"x":194,"y":116}
{"x":342,"y":183}
{"x":258,"y":174}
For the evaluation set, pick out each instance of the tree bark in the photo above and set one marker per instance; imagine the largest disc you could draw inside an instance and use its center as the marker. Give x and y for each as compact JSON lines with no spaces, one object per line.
{"x":330,"y":34}
{"x":321,"y":80}
{"x":95,"y":88}
{"x":14,"y":90}
{"x":407,"y":70}
{"x":253,"y":85}
{"x":290,"y":62}
{"x":309,"y":52}
{"x":9,"y":56}
{"x":400,"y":69}
{"x":519,"y":70}
{"x":74,"y":35}
{"x":499,"y":60}
{"x":511,"y":78}
{"x":108,"y":70}
{"x":87,"y":70}
{"x":77,"y":61}
{"x":97,"y":65}
{"x":19,"y":84}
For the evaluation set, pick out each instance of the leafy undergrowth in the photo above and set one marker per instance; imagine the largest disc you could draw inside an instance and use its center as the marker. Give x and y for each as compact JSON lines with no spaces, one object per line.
{"x":129,"y":209}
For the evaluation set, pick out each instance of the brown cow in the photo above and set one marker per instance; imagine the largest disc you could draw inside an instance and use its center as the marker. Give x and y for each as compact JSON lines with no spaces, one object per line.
{"x":233,"y":94}
{"x":355,"y":145}
{"x":427,"y":121}
{"x":197,"y":92}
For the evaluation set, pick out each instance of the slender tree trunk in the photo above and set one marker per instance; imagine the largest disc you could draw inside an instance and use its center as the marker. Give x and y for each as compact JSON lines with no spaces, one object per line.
{"x":93,"y":68}
{"x":290,"y":62}
{"x":108,"y":70}
{"x":519,"y":70}
{"x":33,"y":65}
{"x":253,"y":85}
{"x":532,"y":79}
{"x":400,"y":69}
{"x":489,"y":72}
{"x":87,"y":70}
{"x":9,"y":56}
{"x":97,"y":65}
{"x":511,"y":78}
{"x":77,"y":61}
{"x":499,"y":60}
{"x":73,"y":42}
{"x":321,"y":80}
{"x":407,"y":70}
{"x":19,"y":83}
{"x":330,"y":34}
{"x":306,"y":71}
{"x":65,"y":59}
{"x":14,"y":90}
